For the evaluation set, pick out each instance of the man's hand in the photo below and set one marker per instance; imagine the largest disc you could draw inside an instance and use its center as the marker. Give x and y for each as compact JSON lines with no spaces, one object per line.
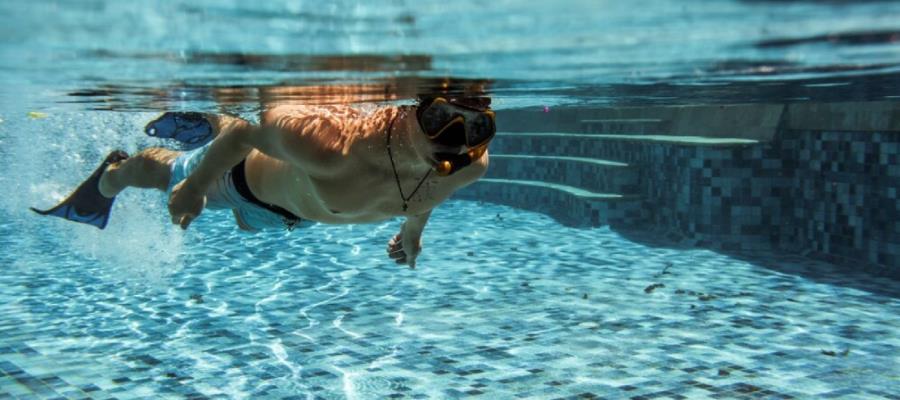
{"x":185,"y":204}
{"x":405,"y":248}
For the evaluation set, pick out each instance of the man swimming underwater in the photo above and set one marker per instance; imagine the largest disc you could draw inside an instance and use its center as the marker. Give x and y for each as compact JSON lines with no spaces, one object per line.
{"x":329,"y":164}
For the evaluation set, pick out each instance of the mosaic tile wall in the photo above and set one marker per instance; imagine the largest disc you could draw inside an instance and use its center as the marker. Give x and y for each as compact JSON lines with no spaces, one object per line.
{"x":830,"y":195}
{"x":697,"y":192}
{"x":567,"y":209}
{"x":845,"y":186}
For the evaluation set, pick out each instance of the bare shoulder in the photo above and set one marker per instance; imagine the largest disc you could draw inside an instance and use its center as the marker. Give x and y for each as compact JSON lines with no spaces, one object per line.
{"x":345,"y":121}
{"x":321,"y":128}
{"x":310,"y":137}
{"x":320,"y":138}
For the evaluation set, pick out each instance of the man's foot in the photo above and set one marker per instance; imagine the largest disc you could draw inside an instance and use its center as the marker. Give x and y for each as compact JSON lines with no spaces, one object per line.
{"x":86,"y":204}
{"x":190,"y":128}
{"x":103,"y":184}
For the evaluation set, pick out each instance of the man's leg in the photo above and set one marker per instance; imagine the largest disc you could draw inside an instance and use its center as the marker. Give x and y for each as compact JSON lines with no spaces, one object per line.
{"x":151,"y":169}
{"x":91,"y":202}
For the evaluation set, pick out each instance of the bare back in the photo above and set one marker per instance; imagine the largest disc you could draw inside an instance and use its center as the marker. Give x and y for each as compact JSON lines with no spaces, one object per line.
{"x":357,"y":183}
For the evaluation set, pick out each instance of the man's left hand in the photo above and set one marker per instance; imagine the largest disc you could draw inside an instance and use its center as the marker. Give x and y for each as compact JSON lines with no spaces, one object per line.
{"x":185,"y":204}
{"x":404,"y":249}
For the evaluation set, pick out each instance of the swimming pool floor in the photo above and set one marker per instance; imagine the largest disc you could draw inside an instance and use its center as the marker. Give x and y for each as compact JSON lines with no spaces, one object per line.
{"x":505,"y":304}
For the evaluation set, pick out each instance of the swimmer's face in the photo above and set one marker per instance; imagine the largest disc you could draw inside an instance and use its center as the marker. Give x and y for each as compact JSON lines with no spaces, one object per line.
{"x":453,"y":127}
{"x":459,"y":134}
{"x":447,"y":147}
{"x":449,"y":159}
{"x":441,"y":151}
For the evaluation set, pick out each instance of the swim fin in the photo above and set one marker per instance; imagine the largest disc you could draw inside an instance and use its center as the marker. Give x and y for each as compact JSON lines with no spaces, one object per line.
{"x":192,"y":129}
{"x":86,"y":204}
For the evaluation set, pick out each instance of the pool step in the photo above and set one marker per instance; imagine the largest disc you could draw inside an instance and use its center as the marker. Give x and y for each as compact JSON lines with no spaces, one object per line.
{"x":625,"y":125}
{"x":569,"y":205}
{"x":570,"y":177}
{"x":581,"y":172}
{"x":618,"y":147}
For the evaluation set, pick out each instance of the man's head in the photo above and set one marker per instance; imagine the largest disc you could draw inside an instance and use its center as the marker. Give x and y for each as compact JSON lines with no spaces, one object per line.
{"x":460,"y":127}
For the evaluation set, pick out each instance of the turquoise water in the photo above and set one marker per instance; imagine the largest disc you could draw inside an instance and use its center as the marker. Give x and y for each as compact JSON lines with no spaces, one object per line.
{"x":505,"y":303}
{"x":176,"y":54}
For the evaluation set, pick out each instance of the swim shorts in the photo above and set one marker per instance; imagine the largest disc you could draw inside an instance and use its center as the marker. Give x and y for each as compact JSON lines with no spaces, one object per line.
{"x":224,"y":194}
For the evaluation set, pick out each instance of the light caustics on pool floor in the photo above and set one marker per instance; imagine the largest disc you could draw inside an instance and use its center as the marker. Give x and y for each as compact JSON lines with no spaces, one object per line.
{"x":504,"y":304}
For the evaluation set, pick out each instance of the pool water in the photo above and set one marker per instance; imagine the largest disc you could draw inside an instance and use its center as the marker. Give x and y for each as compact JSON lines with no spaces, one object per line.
{"x":209,"y":54}
{"x":504,"y":303}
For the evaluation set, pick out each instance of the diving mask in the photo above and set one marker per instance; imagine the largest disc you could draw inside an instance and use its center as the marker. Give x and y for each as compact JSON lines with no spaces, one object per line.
{"x":455,"y":125}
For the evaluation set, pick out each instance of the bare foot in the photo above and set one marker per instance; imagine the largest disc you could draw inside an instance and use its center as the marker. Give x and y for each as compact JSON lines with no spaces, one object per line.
{"x":107,"y":188}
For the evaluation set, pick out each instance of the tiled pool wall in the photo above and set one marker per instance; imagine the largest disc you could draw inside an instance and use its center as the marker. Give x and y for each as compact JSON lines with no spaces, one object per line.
{"x":827,"y":194}
{"x":564,"y":208}
{"x":843,"y":196}
{"x":832,"y":195}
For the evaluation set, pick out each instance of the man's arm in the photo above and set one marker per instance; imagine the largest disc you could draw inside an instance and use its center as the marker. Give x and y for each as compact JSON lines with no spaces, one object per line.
{"x":311,"y":148}
{"x":414,"y":226}
{"x":406,"y":246}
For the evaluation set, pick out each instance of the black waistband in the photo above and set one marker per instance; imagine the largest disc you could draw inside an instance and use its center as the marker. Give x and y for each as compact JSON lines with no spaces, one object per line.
{"x":240,"y":184}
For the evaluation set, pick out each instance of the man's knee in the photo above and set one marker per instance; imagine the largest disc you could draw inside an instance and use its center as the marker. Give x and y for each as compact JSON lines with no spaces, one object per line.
{"x":154,"y":164}
{"x":224,"y":123}
{"x":155,"y":159}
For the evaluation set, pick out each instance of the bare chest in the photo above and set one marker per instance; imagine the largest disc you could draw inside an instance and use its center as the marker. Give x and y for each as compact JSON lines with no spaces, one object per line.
{"x":373,"y":194}
{"x":354,"y":194}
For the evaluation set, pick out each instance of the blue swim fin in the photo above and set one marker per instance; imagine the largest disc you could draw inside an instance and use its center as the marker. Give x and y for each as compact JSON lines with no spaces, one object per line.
{"x":86,"y":204}
{"x":192,"y":129}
